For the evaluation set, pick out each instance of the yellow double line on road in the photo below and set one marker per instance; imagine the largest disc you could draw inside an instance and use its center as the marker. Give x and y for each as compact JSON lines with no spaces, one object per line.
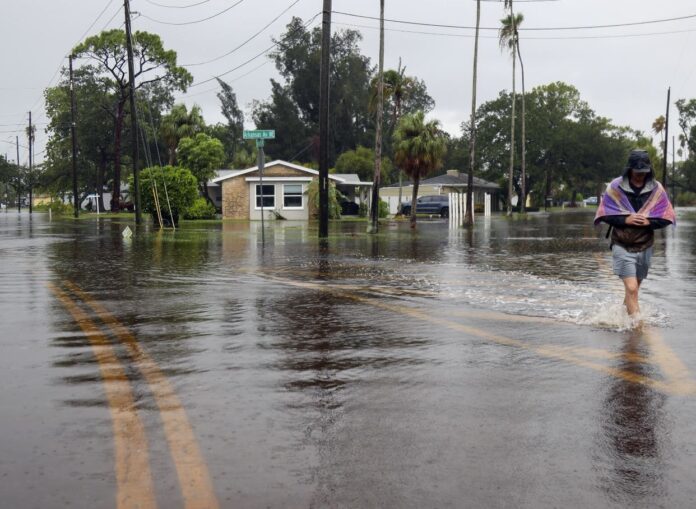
{"x":133,"y":475}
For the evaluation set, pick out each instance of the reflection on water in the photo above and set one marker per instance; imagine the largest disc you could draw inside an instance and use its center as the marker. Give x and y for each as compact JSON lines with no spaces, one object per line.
{"x":629,"y":449}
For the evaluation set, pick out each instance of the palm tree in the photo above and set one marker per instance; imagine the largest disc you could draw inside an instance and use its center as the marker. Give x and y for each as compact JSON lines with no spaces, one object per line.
{"x":419,"y":148}
{"x":658,"y":127}
{"x":523,"y":184}
{"x":507,"y":36}
{"x":397,"y":87}
{"x":180,"y":123}
{"x":469,"y":218}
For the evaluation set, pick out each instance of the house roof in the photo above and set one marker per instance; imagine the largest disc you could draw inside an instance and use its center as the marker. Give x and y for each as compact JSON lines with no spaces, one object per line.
{"x":351,"y":178}
{"x":278,"y":162}
{"x":449,"y":180}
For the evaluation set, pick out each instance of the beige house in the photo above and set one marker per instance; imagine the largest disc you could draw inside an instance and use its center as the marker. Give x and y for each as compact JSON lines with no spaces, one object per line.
{"x":239,"y":192}
{"x":451,"y":182}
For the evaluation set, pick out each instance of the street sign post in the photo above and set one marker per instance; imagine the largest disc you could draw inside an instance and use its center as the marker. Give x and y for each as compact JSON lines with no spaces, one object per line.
{"x":260,"y":135}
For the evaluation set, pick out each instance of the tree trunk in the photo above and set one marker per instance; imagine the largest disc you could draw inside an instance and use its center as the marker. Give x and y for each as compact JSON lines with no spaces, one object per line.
{"x":101,"y":170}
{"x":118,"y":131}
{"x":414,"y":199}
{"x":401,"y":183}
{"x":374,"y":213}
{"x":511,"y":175}
{"x":469,"y":217}
{"x":523,"y":184}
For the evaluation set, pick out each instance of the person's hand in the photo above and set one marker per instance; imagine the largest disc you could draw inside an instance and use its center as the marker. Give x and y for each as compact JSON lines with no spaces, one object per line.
{"x":637,"y":220}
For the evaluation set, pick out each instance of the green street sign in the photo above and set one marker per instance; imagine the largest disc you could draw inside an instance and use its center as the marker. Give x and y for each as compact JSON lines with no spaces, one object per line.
{"x":261,"y":134}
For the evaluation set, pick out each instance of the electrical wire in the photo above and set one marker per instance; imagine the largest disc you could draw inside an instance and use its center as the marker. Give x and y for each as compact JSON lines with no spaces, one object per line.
{"x":196,"y":21}
{"x":246,"y":41}
{"x":184,"y":6}
{"x":217,"y":87}
{"x":258,"y":55}
{"x":586,"y":27}
{"x":471,"y":36}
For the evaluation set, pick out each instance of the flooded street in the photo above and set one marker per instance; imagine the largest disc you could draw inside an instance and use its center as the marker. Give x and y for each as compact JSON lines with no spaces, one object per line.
{"x":447,"y":368}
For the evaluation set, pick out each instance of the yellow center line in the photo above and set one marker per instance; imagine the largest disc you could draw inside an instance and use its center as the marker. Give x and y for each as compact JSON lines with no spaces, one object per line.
{"x":543,"y":350}
{"x":673,"y":368}
{"x":192,"y":471}
{"x":133,"y":476}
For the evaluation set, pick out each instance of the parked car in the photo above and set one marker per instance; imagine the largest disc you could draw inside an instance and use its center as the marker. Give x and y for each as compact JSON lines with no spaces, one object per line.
{"x":431,"y":205}
{"x":592,"y":200}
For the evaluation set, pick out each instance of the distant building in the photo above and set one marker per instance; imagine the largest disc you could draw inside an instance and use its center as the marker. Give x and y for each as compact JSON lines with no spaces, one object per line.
{"x":239,"y":194}
{"x":453,"y":181}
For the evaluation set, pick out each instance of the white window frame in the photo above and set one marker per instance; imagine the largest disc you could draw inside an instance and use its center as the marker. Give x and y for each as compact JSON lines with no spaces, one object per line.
{"x":302,"y":187}
{"x":265,"y":207}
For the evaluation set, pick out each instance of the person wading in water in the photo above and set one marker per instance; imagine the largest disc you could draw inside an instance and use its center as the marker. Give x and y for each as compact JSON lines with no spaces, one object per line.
{"x":634,"y":206}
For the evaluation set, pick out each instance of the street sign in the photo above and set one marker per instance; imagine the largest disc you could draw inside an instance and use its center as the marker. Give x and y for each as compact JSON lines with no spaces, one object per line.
{"x":261,"y":134}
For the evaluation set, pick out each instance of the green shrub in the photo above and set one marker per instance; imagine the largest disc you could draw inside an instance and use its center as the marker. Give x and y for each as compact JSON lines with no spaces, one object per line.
{"x":362,"y":211}
{"x":181,"y":188}
{"x":686,"y":199}
{"x":201,"y":209}
{"x":56,"y":206}
{"x":383,"y":208}
{"x":334,"y":197}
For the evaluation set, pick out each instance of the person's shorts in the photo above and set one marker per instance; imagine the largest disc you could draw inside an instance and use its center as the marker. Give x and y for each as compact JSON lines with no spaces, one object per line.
{"x":627,"y":264}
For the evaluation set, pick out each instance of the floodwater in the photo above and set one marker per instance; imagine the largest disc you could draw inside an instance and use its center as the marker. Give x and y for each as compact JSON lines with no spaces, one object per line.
{"x":446,"y":368}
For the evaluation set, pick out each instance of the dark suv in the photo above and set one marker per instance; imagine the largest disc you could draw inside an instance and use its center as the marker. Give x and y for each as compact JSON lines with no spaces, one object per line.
{"x":433,"y":204}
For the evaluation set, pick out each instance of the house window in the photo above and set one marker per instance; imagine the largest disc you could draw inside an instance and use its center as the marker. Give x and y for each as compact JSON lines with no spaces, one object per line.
{"x":268,"y":196}
{"x":292,"y":196}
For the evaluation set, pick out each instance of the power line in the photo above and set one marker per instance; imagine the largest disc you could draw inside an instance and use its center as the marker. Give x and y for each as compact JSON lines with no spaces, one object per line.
{"x":247,"y":41}
{"x":180,"y":6}
{"x":215,"y":89}
{"x":196,"y":21}
{"x":471,"y":36}
{"x":275,"y":44}
{"x":586,"y":27}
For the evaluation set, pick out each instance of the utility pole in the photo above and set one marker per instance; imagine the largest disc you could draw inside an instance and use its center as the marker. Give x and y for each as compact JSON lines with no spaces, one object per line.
{"x":324,"y":121}
{"x":674,"y":191}
{"x":469,"y":217}
{"x":18,"y":189}
{"x":664,"y":159}
{"x":31,"y":166}
{"x":134,"y":120}
{"x":373,"y":226}
{"x":262,"y":164}
{"x":74,"y":138}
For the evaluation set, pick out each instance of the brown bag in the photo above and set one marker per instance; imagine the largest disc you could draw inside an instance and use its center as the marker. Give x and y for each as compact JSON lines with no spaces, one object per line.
{"x":633,"y":239}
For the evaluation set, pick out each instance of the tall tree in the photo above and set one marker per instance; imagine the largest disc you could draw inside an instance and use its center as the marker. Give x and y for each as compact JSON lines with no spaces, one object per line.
{"x":469,"y":217}
{"x":523,"y":178}
{"x":202,"y":155}
{"x":233,"y":115}
{"x":419,"y":148}
{"x":94,"y":129}
{"x":507,"y":36}
{"x":402,"y":94}
{"x":297,"y":59}
{"x":180,"y":123}
{"x":153,"y":65}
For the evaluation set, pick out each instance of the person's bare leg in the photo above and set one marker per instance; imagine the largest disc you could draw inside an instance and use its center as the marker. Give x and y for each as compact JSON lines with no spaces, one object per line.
{"x":631,"y":286}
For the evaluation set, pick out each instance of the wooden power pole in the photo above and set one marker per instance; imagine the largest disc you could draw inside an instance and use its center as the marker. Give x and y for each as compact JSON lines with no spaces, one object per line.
{"x":18,"y":189}
{"x":134,"y":120}
{"x":76,"y":204}
{"x":31,"y":165}
{"x":324,"y":121}
{"x":664,"y":159}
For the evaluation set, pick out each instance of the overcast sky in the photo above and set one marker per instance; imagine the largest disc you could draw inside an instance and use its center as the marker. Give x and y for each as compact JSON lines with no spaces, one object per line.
{"x":622,"y":72}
